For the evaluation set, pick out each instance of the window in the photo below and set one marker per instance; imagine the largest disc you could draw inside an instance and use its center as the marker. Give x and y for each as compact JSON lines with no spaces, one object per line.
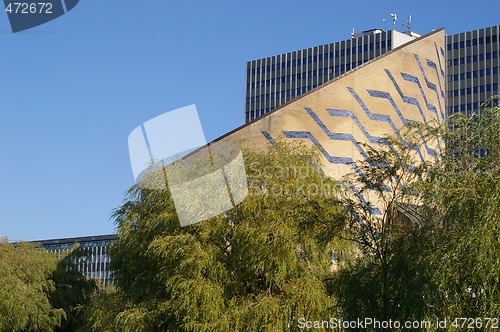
{"x":468,"y":43}
{"x":455,"y":46}
{"x":481,"y":40}
{"x":469,"y":59}
{"x":469,"y":74}
{"x":462,"y":44}
{"x":462,"y":61}
{"x":448,"y":47}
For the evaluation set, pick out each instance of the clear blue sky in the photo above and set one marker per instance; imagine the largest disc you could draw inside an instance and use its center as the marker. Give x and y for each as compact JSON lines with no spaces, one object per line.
{"x":73,"y":89}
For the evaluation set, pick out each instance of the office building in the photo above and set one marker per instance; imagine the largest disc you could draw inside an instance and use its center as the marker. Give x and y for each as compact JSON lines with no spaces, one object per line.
{"x":93,"y":262}
{"x":275,"y":80}
{"x":472,"y":61}
{"x":472,"y":64}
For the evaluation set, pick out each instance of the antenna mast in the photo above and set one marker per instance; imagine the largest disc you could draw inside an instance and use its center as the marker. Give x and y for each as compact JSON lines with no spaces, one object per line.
{"x":394,"y":19}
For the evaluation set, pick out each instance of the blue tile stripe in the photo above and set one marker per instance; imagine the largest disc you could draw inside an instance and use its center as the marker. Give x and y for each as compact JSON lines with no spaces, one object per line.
{"x":439,"y":60}
{"x":414,"y":79}
{"x":336,"y":136}
{"x":267,"y":136}
{"x":432,"y":65}
{"x":414,"y":101}
{"x":374,"y":116}
{"x":386,"y":95}
{"x":430,"y":85}
{"x":350,"y":114}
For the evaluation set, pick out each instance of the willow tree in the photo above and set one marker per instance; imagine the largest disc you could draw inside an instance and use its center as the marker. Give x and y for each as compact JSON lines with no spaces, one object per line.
{"x":462,"y":195}
{"x":258,"y":267}
{"x":25,"y":288}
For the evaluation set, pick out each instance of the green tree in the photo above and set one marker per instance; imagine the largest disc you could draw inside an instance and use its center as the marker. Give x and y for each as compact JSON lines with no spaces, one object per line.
{"x":385,"y":281}
{"x":72,"y":290}
{"x":25,"y":286}
{"x":259,"y":267}
{"x":462,"y":196}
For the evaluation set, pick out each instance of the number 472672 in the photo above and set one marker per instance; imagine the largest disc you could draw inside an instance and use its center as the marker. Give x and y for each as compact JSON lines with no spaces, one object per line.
{"x":29,"y":8}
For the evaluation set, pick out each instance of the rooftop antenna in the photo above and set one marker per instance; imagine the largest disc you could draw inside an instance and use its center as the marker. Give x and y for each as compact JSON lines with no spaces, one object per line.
{"x":352,"y":33}
{"x":408,"y":24}
{"x":385,"y":24}
{"x":394,"y":19}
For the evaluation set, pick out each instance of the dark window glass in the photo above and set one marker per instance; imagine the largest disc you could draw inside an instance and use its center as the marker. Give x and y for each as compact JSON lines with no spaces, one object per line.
{"x":481,"y":88}
{"x":481,"y":40}
{"x":488,"y":56}
{"x":469,"y":91}
{"x":455,"y":77}
{"x":481,"y":57}
{"x":448,"y":47}
{"x":455,"y":93}
{"x":468,"y":43}
{"x":462,"y":44}
{"x":468,"y":59}
{"x":469,"y":74}
{"x":474,"y":58}
{"x":462,"y":61}
{"x":455,"y":45}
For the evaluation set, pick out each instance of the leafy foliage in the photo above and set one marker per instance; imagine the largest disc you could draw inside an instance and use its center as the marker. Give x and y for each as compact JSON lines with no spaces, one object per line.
{"x":25,"y":286}
{"x":258,"y":267}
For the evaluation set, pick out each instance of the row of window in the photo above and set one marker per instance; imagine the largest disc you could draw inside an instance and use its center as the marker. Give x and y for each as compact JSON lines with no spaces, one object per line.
{"x":463,"y":107}
{"x":288,"y":93}
{"x":325,"y":56}
{"x":473,"y":42}
{"x":473,"y":58}
{"x":473,"y":74}
{"x":334,"y":71}
{"x":476,"y":89}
